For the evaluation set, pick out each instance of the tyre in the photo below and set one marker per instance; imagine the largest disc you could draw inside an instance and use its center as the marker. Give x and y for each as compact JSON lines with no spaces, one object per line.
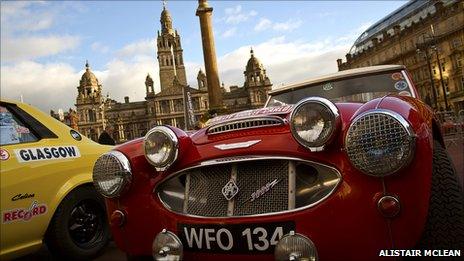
{"x":445,"y":222}
{"x":79,"y":229}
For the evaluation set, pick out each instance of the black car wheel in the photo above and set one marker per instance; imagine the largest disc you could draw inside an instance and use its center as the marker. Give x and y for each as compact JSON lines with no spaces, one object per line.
{"x":445,"y":222}
{"x":79,"y":229}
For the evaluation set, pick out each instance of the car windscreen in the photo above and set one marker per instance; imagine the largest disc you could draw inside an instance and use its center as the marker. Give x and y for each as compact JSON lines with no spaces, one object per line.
{"x":357,"y":89}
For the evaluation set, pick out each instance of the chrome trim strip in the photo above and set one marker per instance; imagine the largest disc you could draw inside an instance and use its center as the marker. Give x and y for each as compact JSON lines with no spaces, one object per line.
{"x":173,"y":157}
{"x":395,"y":116}
{"x":231,"y":203}
{"x":187,"y":193}
{"x":250,"y":158}
{"x":244,"y":121}
{"x":291,"y":184}
{"x":405,"y":76}
{"x":332,"y":109}
{"x":237,"y":145}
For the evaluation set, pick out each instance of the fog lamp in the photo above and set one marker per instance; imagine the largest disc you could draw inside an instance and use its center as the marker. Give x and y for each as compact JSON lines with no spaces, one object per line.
{"x":295,"y":247}
{"x":112,"y":174}
{"x":167,"y":246}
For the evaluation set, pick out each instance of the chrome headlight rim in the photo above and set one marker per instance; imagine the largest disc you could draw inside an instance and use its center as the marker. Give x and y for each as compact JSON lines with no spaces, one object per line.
{"x":175,"y":147}
{"x":331,"y":108}
{"x":406,"y":126}
{"x":125,"y":173}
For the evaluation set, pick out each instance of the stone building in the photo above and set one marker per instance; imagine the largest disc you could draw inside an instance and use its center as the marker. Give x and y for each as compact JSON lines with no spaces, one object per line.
{"x":167,"y":107}
{"x":253,"y":94}
{"x":417,"y":34}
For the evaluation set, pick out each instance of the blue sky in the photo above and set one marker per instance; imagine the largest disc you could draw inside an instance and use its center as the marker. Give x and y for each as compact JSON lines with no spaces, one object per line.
{"x":44,"y":45}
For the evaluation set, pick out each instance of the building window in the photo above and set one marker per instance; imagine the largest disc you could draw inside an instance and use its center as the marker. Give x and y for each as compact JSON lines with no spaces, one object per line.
{"x":462,"y":84}
{"x":434,"y":70}
{"x":443,"y":64}
{"x":457,"y":42}
{"x":179,"y":105}
{"x":458,"y":60}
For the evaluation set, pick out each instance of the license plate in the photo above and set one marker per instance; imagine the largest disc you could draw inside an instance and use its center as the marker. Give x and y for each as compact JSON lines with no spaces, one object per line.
{"x":237,"y":238}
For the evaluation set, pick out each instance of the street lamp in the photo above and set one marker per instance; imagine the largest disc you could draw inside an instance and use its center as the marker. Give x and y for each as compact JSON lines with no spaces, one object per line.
{"x":429,"y":66}
{"x":430,"y":42}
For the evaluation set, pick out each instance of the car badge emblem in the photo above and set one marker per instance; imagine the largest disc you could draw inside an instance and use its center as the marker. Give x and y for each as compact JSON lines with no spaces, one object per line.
{"x":230,"y":190}
{"x":263,"y":190}
{"x":237,"y":145}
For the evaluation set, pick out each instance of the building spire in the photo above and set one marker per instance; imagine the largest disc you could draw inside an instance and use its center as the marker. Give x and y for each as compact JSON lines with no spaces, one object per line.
{"x":87,"y":67}
{"x":251,"y":52}
{"x":166,"y":20}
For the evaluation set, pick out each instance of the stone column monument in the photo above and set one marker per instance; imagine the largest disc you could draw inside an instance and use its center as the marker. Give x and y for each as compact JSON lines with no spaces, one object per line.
{"x":204,"y":12}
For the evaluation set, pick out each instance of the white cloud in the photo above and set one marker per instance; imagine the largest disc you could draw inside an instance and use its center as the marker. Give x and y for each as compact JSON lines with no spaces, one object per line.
{"x":99,"y":47}
{"x":31,"y":47}
{"x":229,"y":33}
{"x":235,"y":15}
{"x":17,"y":17}
{"x":263,"y":24}
{"x":289,"y":25}
{"x":285,"y":61}
{"x":135,"y":50}
{"x":41,"y":84}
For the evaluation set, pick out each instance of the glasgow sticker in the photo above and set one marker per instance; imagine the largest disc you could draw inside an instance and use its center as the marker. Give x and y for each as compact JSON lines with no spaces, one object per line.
{"x":47,"y":153}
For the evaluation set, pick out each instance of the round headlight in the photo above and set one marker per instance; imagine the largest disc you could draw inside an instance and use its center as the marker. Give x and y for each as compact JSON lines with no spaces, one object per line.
{"x":161,"y":147}
{"x":380,"y":142}
{"x":295,"y":247}
{"x":313,"y":122}
{"x":112,"y":174}
{"x":167,"y":246}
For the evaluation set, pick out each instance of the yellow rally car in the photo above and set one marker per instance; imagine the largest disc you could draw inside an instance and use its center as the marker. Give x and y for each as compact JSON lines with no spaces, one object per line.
{"x":46,"y":187}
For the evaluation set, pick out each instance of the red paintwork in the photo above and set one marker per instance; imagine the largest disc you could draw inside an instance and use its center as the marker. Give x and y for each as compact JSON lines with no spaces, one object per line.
{"x":345,"y":226}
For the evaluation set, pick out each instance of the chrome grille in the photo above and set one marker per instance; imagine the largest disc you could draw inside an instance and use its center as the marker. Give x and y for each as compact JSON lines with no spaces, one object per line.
{"x":379,"y":142}
{"x":198,"y":191}
{"x":202,"y":191}
{"x":252,"y":176}
{"x":249,"y":123}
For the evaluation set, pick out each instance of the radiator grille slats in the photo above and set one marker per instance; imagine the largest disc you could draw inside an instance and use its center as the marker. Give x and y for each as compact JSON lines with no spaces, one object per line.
{"x":250,"y":123}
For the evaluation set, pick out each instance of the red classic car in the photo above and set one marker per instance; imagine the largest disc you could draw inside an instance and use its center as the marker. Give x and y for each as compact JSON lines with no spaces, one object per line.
{"x":345,"y":167}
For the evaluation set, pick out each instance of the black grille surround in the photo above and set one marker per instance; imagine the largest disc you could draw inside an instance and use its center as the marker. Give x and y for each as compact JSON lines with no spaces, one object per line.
{"x":201,"y":187}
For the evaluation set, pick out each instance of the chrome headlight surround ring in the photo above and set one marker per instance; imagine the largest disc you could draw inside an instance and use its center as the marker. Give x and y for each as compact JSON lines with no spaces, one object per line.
{"x":173,"y":154}
{"x":354,"y":154}
{"x":335,"y":118}
{"x":123,"y":171}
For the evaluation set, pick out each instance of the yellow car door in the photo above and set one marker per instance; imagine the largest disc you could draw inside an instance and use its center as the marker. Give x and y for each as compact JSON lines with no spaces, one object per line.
{"x":41,"y":164}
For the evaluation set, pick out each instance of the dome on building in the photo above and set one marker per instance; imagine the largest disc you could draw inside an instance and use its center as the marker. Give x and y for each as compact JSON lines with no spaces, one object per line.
{"x":165,"y":15}
{"x":253,"y":63}
{"x":88,"y":78}
{"x":166,"y":21}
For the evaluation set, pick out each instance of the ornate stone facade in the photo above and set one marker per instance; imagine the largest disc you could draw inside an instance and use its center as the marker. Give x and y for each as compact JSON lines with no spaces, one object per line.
{"x":133,"y":119}
{"x":253,"y":94}
{"x":417,"y":34}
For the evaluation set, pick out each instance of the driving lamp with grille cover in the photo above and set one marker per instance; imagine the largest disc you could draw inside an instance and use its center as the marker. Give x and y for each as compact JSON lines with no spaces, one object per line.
{"x":161,"y":147}
{"x":313,"y":122}
{"x":295,"y":246}
{"x":112,"y":174}
{"x":380,"y":142}
{"x":167,"y":246}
